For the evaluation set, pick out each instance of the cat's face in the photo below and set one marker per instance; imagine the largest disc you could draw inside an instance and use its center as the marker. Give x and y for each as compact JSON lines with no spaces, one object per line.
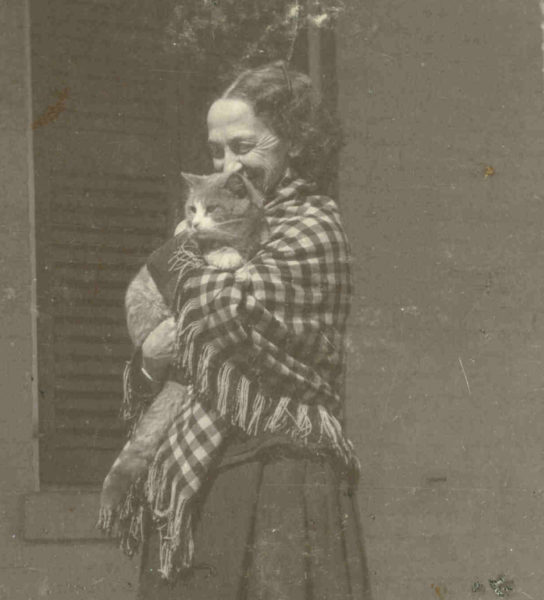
{"x":222,"y":206}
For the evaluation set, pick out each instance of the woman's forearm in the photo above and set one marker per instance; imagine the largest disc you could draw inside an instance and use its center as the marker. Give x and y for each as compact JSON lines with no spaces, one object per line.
{"x":145,"y":307}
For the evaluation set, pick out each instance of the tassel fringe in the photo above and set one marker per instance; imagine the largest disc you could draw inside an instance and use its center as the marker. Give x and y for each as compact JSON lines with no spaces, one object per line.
{"x":304,"y":423}
{"x":242,"y":401}
{"x":171,"y":511}
{"x":234,"y":401}
{"x":274,"y":423}
{"x":203,"y":373}
{"x":223,"y":387}
{"x":331,"y":431}
{"x":173,"y":516}
{"x":127,"y":407}
{"x":258,"y":409}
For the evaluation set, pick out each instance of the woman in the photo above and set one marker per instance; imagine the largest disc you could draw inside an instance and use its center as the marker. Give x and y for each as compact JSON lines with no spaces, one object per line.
{"x":276,"y":517}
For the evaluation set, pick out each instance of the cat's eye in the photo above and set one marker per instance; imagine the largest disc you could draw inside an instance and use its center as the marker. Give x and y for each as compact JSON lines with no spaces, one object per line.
{"x":192,"y":209}
{"x":211,"y":208}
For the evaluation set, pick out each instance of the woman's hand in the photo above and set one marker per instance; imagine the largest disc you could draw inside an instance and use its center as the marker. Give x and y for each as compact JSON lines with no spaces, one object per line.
{"x":158,"y":349}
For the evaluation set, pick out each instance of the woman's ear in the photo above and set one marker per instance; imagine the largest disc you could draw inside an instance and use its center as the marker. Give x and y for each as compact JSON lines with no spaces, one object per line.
{"x":295,"y":148}
{"x":192,"y":180}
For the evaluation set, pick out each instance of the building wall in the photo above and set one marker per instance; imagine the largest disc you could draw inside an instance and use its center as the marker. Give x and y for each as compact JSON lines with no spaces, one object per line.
{"x":54,"y":565}
{"x":441,"y":184}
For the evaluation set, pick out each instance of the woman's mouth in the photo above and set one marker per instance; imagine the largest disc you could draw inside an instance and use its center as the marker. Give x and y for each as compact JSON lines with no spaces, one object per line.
{"x":255,"y":176}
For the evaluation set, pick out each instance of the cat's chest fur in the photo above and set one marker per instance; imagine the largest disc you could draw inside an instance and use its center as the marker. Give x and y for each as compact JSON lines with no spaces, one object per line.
{"x":225,"y":258}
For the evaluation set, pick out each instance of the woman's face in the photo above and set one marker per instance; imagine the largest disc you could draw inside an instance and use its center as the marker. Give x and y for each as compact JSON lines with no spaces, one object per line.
{"x":240,"y":141}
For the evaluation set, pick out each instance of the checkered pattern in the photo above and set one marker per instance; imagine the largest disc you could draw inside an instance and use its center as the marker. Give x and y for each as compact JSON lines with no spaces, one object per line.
{"x":288,"y":305}
{"x":261,"y":348}
{"x":190,"y":446}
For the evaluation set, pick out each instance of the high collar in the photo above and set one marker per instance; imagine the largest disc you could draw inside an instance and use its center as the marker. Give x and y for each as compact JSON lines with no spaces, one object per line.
{"x":289,"y":187}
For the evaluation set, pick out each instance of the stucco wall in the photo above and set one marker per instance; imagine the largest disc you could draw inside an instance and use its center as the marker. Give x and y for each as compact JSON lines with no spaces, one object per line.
{"x":446,"y":379}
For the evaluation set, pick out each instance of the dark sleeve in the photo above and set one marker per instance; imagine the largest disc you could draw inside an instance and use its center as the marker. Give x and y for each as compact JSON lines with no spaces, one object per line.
{"x":138,"y":389}
{"x":159,"y":265}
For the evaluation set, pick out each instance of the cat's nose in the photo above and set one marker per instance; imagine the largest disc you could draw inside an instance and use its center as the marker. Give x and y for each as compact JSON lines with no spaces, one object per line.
{"x":196,"y":225}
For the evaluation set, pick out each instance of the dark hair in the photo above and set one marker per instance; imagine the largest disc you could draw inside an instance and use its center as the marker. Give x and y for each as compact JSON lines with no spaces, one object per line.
{"x":286,"y":101}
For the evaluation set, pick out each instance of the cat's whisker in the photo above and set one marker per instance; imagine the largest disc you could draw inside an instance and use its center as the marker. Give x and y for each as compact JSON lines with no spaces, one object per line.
{"x":228,"y":222}
{"x":214,"y":233}
{"x":217,"y":225}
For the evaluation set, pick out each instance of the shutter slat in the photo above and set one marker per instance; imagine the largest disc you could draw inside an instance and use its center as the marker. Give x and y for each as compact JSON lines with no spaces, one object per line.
{"x":112,"y":240}
{"x":101,"y":405}
{"x":70,"y":291}
{"x":108,"y":221}
{"x":92,"y":256}
{"x":111,"y":123}
{"x":93,"y":312}
{"x":111,"y":331}
{"x":109,"y":181}
{"x":75,"y":422}
{"x":103,"y":197}
{"x":80,"y":226}
{"x":118,"y":202}
{"x":76,"y":465}
{"x":88,"y":366}
{"x":84,"y":275}
{"x":77,"y":387}
{"x":84,"y":437}
{"x":82,"y":350}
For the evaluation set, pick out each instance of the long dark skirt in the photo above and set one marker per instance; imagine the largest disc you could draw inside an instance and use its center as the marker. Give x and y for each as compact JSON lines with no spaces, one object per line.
{"x":282,"y":528}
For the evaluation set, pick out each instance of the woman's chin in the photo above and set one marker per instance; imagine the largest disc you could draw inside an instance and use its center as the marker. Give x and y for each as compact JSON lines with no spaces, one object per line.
{"x":257,"y":179}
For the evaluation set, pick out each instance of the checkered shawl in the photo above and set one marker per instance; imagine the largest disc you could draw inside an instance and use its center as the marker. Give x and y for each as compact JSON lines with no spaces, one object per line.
{"x":262,"y":349}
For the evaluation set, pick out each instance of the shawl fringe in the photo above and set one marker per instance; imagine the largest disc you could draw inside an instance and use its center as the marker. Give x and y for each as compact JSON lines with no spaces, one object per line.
{"x":171,"y":511}
{"x":229,"y":392}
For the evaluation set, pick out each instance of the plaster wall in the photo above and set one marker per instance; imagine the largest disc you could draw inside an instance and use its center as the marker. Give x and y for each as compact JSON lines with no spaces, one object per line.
{"x":441,"y":184}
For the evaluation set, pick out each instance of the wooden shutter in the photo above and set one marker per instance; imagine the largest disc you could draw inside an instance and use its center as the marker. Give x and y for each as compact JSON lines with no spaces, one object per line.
{"x":104,"y":107}
{"x":112,"y":111}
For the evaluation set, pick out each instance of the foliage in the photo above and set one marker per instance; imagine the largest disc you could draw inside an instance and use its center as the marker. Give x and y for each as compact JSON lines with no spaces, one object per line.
{"x":221,"y":37}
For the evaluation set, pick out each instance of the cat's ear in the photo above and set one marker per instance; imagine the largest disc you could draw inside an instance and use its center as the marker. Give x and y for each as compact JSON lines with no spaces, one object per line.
{"x":236,"y":185}
{"x":192,"y":180}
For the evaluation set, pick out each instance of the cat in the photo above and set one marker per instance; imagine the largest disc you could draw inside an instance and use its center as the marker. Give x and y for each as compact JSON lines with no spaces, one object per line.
{"x":225,"y":216}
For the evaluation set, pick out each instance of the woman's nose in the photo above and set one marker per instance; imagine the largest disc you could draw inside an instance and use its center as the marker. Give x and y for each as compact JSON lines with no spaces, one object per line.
{"x":231,"y":163}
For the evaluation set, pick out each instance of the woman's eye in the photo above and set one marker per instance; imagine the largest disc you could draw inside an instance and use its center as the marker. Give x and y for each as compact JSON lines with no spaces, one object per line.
{"x":242,"y":147}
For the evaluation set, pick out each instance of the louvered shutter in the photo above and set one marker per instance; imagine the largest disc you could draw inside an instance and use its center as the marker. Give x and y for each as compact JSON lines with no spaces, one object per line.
{"x":113,"y":113}
{"x":104,"y":102}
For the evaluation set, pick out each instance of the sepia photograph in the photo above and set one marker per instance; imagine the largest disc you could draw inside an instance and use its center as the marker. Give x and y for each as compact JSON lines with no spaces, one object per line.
{"x":272,"y":321}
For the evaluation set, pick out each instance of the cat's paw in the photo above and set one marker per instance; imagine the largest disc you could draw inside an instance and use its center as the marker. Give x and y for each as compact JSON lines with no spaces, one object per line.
{"x":113,"y":494}
{"x":106,"y":519}
{"x":226,"y":259}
